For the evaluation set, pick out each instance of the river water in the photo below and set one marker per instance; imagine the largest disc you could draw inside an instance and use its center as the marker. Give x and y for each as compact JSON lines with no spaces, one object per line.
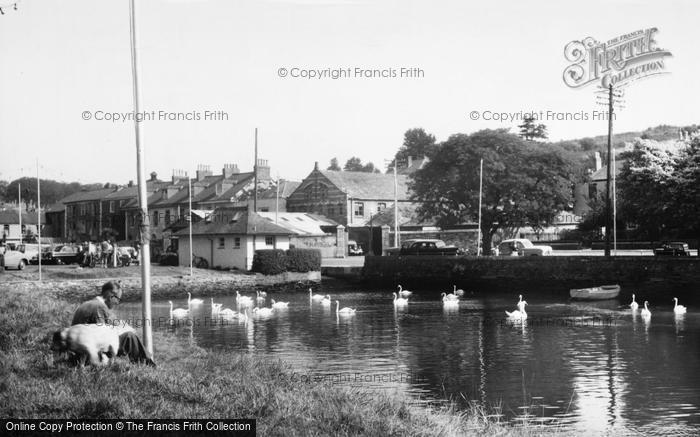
{"x":584,"y":368}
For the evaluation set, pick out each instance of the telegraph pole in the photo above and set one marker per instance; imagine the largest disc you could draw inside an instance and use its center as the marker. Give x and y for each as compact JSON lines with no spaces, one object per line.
{"x":397,"y":238}
{"x":143,"y":196}
{"x":608,"y":208}
{"x":255,"y":170}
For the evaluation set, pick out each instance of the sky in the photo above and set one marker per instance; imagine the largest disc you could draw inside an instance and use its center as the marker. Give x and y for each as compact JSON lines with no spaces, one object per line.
{"x":65,"y":66}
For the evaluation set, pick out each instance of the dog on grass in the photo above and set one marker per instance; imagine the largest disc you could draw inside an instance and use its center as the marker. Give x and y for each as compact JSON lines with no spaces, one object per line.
{"x":96,"y":344}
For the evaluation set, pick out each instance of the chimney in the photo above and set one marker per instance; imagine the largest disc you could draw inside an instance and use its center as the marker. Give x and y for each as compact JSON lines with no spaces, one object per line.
{"x":229,"y":170}
{"x":316,"y":165}
{"x":131,"y":183}
{"x":154,"y":176}
{"x":598,"y":161}
{"x":179,"y":175}
{"x":203,"y":171}
{"x":263,"y":171}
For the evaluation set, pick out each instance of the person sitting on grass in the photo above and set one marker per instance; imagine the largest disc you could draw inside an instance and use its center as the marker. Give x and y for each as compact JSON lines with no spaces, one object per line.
{"x":98,"y":311}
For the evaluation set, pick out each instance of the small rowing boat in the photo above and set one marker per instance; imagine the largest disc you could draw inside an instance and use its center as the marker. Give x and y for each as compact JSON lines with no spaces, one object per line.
{"x":595,"y":293}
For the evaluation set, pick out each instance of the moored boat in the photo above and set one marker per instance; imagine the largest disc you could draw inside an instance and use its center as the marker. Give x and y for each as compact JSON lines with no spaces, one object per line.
{"x":595,"y":293}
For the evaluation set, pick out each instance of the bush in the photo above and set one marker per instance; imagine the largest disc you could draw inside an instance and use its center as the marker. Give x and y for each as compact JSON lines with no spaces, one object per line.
{"x":270,"y":261}
{"x":303,"y":260}
{"x":169,"y":259}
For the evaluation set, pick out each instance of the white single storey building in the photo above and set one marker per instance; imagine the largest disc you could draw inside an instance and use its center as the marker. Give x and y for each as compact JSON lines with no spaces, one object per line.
{"x":229,"y":239}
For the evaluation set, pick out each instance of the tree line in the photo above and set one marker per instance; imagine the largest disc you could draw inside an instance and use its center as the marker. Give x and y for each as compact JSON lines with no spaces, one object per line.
{"x":51,"y":191}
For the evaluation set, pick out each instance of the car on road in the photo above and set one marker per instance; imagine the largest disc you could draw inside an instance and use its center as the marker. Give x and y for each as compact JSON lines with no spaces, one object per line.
{"x":674,"y":248}
{"x":14,"y":259}
{"x":427,"y":246}
{"x":522,"y":247}
{"x":63,"y":254}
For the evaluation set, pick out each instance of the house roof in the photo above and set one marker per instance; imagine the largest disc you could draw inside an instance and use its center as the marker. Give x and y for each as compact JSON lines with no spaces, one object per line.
{"x":407,"y":216}
{"x":299,"y":223}
{"x":369,"y":186}
{"x":224,"y":222}
{"x":86,"y":196}
{"x":602,"y":173}
{"x":415,"y":165}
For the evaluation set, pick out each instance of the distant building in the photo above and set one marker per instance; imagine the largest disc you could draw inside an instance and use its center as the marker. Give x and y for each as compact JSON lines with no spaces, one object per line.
{"x":12,"y":231}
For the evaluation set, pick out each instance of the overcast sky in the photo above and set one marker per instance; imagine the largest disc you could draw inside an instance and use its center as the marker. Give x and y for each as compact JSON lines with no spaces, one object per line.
{"x":59,"y":59}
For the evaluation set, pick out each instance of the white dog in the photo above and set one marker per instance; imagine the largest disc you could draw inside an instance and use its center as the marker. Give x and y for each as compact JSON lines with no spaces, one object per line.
{"x":89,"y":342}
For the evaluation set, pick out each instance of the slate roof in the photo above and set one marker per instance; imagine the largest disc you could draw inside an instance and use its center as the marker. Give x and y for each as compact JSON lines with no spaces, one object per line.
{"x":300,"y":223}
{"x":368,"y":186}
{"x":235,"y":222}
{"x":602,"y":174}
{"x":86,"y":196}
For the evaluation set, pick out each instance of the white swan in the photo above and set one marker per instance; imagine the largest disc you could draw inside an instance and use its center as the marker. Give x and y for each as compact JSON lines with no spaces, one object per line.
{"x":243,"y":300}
{"x":195,"y":301}
{"x":400,"y":301}
{"x":228,"y":313}
{"x":346,"y":310}
{"x":263,"y":294}
{"x":262,"y":312}
{"x":679,"y":309}
{"x":457,"y":292}
{"x":215,"y":307}
{"x":645,"y":311}
{"x":518,"y":314}
{"x":449,"y":302}
{"x":315,"y":296}
{"x":279,"y":305}
{"x":178,"y":312}
{"x":260,"y":297}
{"x":404,"y":293}
{"x":450,"y":296}
{"x":326,"y":300}
{"x":634,"y":305}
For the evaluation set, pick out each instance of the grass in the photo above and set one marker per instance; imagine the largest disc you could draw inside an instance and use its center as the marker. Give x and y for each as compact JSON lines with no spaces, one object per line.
{"x":191,"y":382}
{"x":72,"y":272}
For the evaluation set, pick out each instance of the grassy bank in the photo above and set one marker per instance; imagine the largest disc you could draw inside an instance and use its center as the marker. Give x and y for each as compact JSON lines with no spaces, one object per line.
{"x":73,"y":271}
{"x":190,"y":382}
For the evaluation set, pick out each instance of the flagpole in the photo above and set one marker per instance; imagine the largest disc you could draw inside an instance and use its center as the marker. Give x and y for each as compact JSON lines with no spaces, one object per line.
{"x":481,"y":183}
{"x":143,"y":197}
{"x":19,"y":196}
{"x":397,"y":237}
{"x":189,"y":183}
{"x":38,"y":214}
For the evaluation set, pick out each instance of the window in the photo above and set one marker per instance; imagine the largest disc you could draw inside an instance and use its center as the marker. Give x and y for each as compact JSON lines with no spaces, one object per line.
{"x":381,"y":206}
{"x":222,"y":242}
{"x":264,"y":209}
{"x":167,"y":217}
{"x":6,"y":230}
{"x":269,"y":240}
{"x":359,"y":208}
{"x":237,"y":243}
{"x":155,"y":218}
{"x":111,"y":206}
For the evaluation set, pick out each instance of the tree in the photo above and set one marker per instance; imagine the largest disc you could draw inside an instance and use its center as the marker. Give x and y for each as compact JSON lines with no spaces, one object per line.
{"x":529,"y":130}
{"x":355,"y":164}
{"x":524,"y":185}
{"x":334,"y":165}
{"x":685,"y":183}
{"x":416,"y":143}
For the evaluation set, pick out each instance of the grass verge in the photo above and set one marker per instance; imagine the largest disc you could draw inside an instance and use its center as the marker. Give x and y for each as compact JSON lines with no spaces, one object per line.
{"x":191,"y":382}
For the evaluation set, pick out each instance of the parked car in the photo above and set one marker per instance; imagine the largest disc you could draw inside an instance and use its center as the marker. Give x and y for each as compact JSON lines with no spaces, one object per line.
{"x":425,"y":246}
{"x":522,"y":247}
{"x":14,"y":259}
{"x":64,"y":254}
{"x":354,"y":248}
{"x":675,"y":248}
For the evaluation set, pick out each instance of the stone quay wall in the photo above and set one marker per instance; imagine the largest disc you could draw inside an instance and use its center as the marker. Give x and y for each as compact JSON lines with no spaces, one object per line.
{"x":561,"y":272}
{"x":168,"y":287}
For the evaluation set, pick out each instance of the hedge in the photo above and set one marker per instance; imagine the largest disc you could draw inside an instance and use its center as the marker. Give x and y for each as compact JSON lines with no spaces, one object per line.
{"x":276,"y":261}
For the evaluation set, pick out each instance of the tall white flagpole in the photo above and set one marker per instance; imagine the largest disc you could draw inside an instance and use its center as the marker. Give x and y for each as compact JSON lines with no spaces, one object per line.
{"x":481,"y":184}
{"x":19,"y":197}
{"x":189,"y":182}
{"x":38,"y":214}
{"x":143,"y":197}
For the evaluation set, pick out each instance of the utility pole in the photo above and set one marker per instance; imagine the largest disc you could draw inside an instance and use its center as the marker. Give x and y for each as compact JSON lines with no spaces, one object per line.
{"x":38,"y":215}
{"x":189,"y":212}
{"x":255,"y":170}
{"x":144,"y":234}
{"x":481,"y":184}
{"x":397,"y":238}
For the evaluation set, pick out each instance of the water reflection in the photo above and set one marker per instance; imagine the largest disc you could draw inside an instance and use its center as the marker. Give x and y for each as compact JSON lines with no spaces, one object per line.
{"x":589,"y":368}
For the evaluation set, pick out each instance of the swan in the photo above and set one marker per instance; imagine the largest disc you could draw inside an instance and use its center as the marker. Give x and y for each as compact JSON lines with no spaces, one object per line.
{"x":346,"y":310}
{"x":228,"y":313}
{"x":279,"y":305}
{"x":326,"y":300}
{"x":457,"y":292}
{"x":645,"y":311}
{"x":215,"y":307}
{"x":262,"y":312}
{"x":450,"y":296}
{"x":679,"y":309}
{"x":260,"y":297}
{"x":518,"y":314}
{"x":195,"y":301}
{"x":179,"y":312}
{"x":449,"y":302}
{"x":404,"y":293}
{"x":315,"y":296}
{"x":634,"y":305}
{"x":243,"y":300}
{"x":263,"y":294}
{"x":399,"y":301}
